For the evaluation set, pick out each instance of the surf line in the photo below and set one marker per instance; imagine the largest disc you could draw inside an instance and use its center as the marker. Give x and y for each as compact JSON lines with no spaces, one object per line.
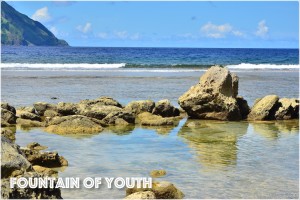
{"x":76,"y":182}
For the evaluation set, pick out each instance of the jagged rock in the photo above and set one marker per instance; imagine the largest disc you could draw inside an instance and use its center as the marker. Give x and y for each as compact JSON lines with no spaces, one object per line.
{"x":164,"y":108}
{"x":265,"y":108}
{"x":7,"y":117}
{"x":74,"y":124}
{"x":162,"y":190}
{"x":28,"y":115}
{"x":289,"y":109}
{"x":148,"y":119}
{"x":243,"y":106}
{"x":118,"y":118}
{"x":8,"y":107}
{"x":214,"y":97}
{"x":158,"y":173}
{"x":66,"y":108}
{"x":141,"y":106}
{"x":41,"y":107}
{"x":12,"y":159}
{"x":142,"y":195}
{"x":44,"y":159}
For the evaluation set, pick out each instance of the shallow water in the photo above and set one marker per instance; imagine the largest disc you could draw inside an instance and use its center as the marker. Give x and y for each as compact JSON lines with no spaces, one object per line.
{"x":205,"y":159}
{"x":23,"y":88}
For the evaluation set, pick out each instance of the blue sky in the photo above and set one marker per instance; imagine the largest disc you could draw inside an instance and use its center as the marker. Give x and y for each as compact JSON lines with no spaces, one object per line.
{"x":169,"y":24}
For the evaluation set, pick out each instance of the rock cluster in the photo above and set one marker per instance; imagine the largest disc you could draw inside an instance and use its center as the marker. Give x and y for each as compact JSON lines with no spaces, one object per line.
{"x":89,"y":116}
{"x":17,"y":162}
{"x":216,"y":97}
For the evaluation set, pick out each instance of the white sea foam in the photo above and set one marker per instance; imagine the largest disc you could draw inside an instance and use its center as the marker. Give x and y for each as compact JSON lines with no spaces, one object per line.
{"x":263,"y":66}
{"x":59,"y":66}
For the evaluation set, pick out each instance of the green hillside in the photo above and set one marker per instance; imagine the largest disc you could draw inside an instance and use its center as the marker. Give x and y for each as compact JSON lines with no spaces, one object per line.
{"x":18,"y":29}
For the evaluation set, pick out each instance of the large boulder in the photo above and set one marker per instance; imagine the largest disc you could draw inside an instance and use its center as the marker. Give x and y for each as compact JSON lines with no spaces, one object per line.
{"x":74,"y":124}
{"x":148,"y":119}
{"x":164,"y":108}
{"x":41,"y":107}
{"x":214,"y":97}
{"x":141,"y":106}
{"x":162,"y":190}
{"x":264,"y":108}
{"x":12,"y":159}
{"x":289,"y":109}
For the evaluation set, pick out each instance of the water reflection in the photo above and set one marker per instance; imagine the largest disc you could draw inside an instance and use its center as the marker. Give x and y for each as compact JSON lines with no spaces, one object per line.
{"x":275,"y":129}
{"x":215,"y":142}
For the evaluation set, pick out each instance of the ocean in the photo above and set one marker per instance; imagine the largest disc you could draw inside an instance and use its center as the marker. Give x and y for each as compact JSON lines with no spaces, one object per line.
{"x":211,"y":160}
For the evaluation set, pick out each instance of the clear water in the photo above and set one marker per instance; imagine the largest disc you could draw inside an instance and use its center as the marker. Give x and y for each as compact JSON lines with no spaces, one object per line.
{"x":210,"y":160}
{"x":205,"y":159}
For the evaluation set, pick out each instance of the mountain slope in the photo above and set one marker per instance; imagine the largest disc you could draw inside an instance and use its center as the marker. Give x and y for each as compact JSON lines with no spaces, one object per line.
{"x":18,"y":29}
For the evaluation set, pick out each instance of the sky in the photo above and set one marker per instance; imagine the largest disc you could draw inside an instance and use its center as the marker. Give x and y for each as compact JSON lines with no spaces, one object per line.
{"x":204,"y":24}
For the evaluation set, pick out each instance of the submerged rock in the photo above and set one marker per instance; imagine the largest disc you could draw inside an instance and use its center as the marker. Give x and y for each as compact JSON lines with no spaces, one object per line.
{"x":214,"y":97}
{"x":162,"y":190}
{"x":141,"y":106}
{"x":148,"y":119}
{"x":158,"y":173}
{"x":264,"y":108}
{"x":164,"y":108}
{"x":142,"y":195}
{"x":74,"y":124}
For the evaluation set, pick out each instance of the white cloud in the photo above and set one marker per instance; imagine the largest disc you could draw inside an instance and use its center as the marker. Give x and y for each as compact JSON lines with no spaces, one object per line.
{"x":238,"y":33}
{"x":135,"y":36}
{"x":216,"y":31}
{"x":220,"y":31}
{"x":262,"y":29}
{"x":84,"y":28}
{"x":121,"y":34}
{"x":41,"y":15}
{"x":102,"y":35}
